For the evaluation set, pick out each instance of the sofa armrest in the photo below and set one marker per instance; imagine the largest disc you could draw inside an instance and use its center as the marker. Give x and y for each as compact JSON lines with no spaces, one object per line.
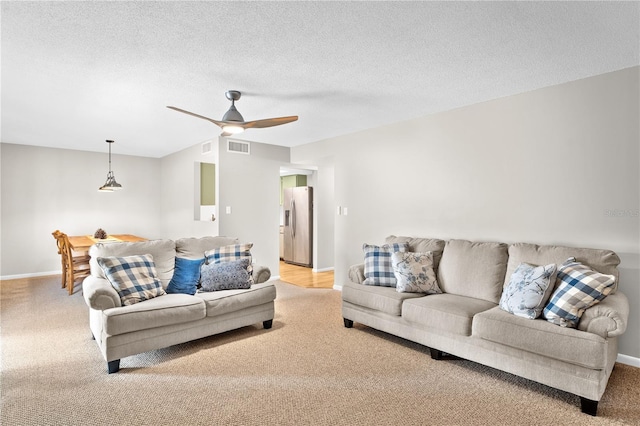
{"x":261,"y":274}
{"x":608,"y":318}
{"x":356,"y":273}
{"x":99,"y":293}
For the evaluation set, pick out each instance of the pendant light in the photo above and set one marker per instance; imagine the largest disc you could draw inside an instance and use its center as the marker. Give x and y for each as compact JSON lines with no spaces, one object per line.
{"x":111,"y":184}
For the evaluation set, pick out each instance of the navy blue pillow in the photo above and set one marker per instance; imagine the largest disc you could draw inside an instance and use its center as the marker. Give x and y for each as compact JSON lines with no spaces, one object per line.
{"x":185,"y":276}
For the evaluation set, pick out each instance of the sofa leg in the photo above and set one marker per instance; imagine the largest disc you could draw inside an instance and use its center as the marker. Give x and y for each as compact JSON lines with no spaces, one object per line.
{"x":113,"y":366}
{"x":435,"y":354}
{"x":589,"y":406}
{"x":348,"y":323}
{"x":267,"y":324}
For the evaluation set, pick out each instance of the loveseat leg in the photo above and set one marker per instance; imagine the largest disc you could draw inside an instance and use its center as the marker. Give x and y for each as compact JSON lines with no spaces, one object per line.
{"x":435,"y":354}
{"x":113,"y":366}
{"x":267,"y":324}
{"x":348,"y":323}
{"x":588,"y":406}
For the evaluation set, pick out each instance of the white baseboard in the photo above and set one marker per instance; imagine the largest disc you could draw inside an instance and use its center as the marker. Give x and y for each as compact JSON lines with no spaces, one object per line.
{"x":274,"y":277}
{"x":337,"y":287}
{"x":322,"y":269}
{"x":37,"y":274}
{"x":628,"y":360}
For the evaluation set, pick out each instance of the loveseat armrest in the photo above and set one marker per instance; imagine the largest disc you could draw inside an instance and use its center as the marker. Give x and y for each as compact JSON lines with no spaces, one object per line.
{"x":99,"y":293}
{"x":608,"y":318}
{"x":356,"y":273}
{"x":261,"y":274}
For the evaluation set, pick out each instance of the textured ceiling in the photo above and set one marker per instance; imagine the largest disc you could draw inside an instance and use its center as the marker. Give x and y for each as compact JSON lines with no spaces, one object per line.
{"x":77,"y":73}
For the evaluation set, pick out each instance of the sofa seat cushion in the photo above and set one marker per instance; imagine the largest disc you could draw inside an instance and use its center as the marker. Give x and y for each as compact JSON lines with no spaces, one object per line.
{"x":445,"y":312}
{"x":384,"y":299}
{"x":542,"y":338}
{"x":157,"y":312}
{"x":225,"y":301}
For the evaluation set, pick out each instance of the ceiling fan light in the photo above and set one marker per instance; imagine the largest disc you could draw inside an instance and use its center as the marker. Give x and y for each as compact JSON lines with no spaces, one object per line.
{"x":232,"y":129}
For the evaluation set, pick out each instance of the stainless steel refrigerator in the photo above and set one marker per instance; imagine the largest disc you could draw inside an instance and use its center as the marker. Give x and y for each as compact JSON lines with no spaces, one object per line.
{"x":298,"y":225}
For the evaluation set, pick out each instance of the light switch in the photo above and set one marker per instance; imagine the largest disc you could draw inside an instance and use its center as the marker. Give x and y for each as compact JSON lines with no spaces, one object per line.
{"x":339,"y":211}
{"x":228,"y":209}
{"x":345,"y":211}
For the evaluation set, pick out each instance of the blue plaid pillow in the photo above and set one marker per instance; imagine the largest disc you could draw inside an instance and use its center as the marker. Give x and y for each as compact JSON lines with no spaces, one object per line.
{"x":231,"y":252}
{"x":133,"y":277}
{"x":580,"y":288}
{"x":378,"y":269}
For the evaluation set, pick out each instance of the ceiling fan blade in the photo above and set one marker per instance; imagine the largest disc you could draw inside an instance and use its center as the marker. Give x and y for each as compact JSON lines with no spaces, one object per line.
{"x":269,"y":122}
{"x":216,"y":122}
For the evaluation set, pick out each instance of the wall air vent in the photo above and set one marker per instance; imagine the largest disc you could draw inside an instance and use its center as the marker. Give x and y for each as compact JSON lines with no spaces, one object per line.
{"x":206,"y":148}
{"x":238,"y":147}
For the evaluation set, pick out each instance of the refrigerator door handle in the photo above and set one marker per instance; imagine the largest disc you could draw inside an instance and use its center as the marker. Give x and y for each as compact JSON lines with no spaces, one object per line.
{"x":293,"y":217}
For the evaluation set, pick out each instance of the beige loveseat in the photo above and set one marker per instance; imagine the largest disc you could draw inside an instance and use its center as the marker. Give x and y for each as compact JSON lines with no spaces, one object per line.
{"x":466,"y":321}
{"x":169,"y":319}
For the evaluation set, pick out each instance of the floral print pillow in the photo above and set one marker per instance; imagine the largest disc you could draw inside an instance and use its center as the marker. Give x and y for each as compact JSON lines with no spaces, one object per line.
{"x":414,"y":272}
{"x":528,"y":290}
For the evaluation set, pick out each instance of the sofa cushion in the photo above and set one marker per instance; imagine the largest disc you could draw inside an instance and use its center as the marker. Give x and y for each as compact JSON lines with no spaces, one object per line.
{"x":194,"y":248}
{"x":542,"y":338}
{"x":231,"y":252}
{"x":473,"y":269}
{"x":421,"y":245}
{"x":603,"y":261}
{"x":529,"y":290}
{"x":414,"y":272}
{"x":225,"y":301}
{"x":133,"y":277}
{"x":445,"y":312}
{"x":228,"y":275}
{"x":580,"y":288}
{"x":377,"y":263}
{"x":166,"y":310}
{"x":186,"y":276}
{"x":163,"y":252}
{"x":384,"y":299}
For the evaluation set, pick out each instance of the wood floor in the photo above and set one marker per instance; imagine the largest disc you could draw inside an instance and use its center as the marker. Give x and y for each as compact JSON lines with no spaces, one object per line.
{"x":305,"y":277}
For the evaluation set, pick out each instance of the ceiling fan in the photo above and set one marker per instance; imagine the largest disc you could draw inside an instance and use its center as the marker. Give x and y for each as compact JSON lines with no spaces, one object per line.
{"x":232,"y":121}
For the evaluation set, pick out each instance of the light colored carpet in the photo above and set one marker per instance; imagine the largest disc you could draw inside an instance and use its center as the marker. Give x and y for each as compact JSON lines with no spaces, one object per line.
{"x":307,"y":370}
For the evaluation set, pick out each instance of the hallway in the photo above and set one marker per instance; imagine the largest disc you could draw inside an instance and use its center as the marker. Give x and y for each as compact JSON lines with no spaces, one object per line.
{"x":305,"y":277}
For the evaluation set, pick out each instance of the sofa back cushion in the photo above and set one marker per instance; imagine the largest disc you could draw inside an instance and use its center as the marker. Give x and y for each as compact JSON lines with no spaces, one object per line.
{"x":603,"y":261}
{"x":194,"y":248}
{"x":421,"y":245}
{"x":473,"y":269}
{"x":163,"y":252}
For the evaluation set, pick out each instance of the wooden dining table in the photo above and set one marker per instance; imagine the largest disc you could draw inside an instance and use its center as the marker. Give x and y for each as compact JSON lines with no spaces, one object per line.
{"x":81,"y":243}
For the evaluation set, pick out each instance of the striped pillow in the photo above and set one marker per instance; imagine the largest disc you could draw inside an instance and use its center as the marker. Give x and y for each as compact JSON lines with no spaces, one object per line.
{"x":580,"y":288}
{"x":134,"y":277}
{"x":378,"y":268}
{"x":231,"y":252}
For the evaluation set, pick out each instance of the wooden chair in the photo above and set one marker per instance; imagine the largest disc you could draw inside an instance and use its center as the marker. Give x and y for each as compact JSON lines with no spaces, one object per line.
{"x":73,"y":267}
{"x":57,"y":235}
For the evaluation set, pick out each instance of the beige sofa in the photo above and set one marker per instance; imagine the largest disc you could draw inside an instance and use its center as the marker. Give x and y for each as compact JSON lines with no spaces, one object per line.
{"x":169,"y":319}
{"x":465,"y":320}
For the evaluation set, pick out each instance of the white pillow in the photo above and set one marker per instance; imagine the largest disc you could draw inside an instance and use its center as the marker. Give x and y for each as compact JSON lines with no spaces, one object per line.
{"x":414,"y":272}
{"x":528,"y":290}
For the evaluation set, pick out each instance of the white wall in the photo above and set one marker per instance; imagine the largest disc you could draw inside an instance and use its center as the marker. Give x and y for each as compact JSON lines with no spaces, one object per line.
{"x":547,"y":166}
{"x":250,"y":186}
{"x":179,"y":192}
{"x":44,"y":189}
